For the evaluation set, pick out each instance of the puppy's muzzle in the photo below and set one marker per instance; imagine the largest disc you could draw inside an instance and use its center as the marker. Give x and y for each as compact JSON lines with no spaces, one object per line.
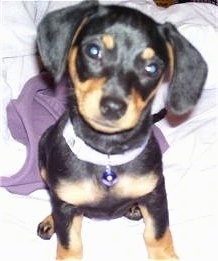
{"x":112,"y":108}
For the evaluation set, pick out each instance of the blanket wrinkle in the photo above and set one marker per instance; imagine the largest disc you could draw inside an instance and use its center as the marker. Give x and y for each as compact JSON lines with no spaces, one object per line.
{"x":37,"y":108}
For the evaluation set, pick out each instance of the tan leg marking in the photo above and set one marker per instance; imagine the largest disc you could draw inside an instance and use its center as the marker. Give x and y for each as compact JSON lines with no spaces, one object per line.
{"x":158,"y":249}
{"x":74,"y":251}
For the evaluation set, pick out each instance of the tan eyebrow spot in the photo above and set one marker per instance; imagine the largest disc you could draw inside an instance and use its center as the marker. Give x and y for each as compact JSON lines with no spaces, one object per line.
{"x":108,"y":41}
{"x":148,"y":53}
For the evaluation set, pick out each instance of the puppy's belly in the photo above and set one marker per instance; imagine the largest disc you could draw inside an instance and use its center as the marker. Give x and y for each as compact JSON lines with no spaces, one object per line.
{"x":108,"y":209}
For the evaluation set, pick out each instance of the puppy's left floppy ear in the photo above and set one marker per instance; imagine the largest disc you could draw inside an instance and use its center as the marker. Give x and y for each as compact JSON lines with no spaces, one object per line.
{"x":55,"y":34}
{"x":189,"y":71}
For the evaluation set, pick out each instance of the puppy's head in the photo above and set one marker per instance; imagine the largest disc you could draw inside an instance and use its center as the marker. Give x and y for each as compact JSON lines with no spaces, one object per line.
{"x":117,"y":58}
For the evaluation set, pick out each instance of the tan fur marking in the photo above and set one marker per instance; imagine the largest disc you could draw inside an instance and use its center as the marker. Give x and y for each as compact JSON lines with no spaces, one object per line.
{"x":129,"y":186}
{"x":161,"y":248}
{"x":43,"y":174}
{"x":135,"y":107}
{"x":148,"y":53}
{"x":108,"y":41}
{"x":49,"y":219}
{"x":74,"y":251}
{"x":171,"y":58}
{"x":88,"y":93}
{"x":80,"y":27}
{"x":78,"y":193}
{"x":133,"y":187}
{"x":155,"y":90}
{"x":137,"y":100}
{"x":88,"y":97}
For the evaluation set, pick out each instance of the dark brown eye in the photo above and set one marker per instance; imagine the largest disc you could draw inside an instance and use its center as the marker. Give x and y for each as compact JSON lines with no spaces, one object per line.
{"x":93,"y":51}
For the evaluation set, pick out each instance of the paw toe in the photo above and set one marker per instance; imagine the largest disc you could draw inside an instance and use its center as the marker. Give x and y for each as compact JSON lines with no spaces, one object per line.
{"x":45,"y":230}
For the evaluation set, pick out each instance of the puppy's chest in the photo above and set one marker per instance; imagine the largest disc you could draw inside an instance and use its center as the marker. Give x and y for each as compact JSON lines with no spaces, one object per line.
{"x":92,"y":191}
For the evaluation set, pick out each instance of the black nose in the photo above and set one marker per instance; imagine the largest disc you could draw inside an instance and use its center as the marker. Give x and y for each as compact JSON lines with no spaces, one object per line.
{"x":112,"y":108}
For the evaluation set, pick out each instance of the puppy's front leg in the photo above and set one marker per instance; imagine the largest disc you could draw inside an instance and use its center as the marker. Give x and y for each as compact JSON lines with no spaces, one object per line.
{"x":69,"y":245}
{"x":157,"y":235}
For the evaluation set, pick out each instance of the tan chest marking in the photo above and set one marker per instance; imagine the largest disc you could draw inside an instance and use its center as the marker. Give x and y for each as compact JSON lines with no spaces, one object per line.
{"x":90,"y":192}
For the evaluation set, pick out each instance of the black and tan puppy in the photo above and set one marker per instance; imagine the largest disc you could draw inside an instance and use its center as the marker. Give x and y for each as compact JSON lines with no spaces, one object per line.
{"x":101,"y":158}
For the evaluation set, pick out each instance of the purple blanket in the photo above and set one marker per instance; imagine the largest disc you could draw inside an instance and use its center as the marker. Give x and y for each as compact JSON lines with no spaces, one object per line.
{"x":38,"y":107}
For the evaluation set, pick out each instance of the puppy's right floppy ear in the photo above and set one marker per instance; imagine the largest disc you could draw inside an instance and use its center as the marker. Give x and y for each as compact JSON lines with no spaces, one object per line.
{"x":189,"y":71}
{"x":55,"y":34}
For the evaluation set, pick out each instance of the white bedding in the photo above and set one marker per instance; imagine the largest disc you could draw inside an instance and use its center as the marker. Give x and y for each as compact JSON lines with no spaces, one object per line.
{"x":190,"y":164}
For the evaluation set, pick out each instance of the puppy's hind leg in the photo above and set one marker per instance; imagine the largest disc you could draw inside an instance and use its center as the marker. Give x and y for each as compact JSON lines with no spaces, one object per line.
{"x":46,"y":229}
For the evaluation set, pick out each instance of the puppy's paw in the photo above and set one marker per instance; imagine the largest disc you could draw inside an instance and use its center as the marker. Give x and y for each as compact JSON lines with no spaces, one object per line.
{"x":165,"y":259}
{"x":69,"y":259}
{"x":46,"y":229}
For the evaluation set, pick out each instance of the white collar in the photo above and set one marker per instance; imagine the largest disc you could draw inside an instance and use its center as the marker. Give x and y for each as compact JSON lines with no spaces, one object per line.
{"x":86,"y":153}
